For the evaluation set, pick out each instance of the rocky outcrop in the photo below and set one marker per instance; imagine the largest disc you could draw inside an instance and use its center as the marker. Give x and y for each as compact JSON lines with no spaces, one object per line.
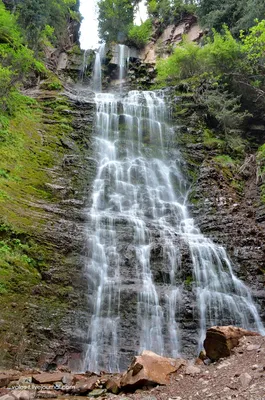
{"x":224,"y":198}
{"x":162,"y":43}
{"x":150,"y":369}
{"x":44,"y":316}
{"x":220,"y":340}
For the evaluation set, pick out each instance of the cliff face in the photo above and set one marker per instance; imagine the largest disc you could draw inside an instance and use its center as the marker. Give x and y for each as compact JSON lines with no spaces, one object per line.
{"x":42,"y":223}
{"x":45,"y":191}
{"x":225,"y":195}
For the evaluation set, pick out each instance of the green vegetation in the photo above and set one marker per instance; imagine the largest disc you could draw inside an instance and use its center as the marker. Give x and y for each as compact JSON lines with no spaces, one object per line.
{"x":168,"y":12}
{"x":44,"y":21}
{"x":236,"y":14}
{"x":261,"y":170}
{"x":138,"y":36}
{"x":16,"y":60}
{"x":115,"y":19}
{"x":220,"y":55}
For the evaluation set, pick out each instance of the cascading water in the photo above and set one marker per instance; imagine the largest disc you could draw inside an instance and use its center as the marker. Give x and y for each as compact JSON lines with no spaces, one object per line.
{"x":97,"y":71}
{"x":139,"y":231}
{"x":121,"y":62}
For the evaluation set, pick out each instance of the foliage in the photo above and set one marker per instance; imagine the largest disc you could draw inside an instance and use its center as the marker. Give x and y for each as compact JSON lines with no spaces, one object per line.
{"x":220,"y":54}
{"x":261,"y":171}
{"x":168,"y":12}
{"x":236,"y":14}
{"x":16,"y":59}
{"x":254,"y":44}
{"x":35,"y":16}
{"x":138,"y":36}
{"x":115,"y":17}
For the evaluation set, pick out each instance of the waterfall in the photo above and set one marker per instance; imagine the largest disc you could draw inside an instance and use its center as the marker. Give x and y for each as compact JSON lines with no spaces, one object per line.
{"x":97,"y":71}
{"x":84,"y":65}
{"x":121,"y":62}
{"x":140,"y":235}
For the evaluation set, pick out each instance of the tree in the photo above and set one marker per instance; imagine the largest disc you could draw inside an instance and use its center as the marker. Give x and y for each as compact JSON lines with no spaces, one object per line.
{"x":35,"y":15}
{"x":236,"y":14}
{"x":115,"y":18}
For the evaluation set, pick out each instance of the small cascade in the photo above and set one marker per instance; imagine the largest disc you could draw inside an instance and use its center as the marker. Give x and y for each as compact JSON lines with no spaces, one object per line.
{"x":97,"y":71}
{"x":122,"y":62}
{"x":140,"y":236}
{"x":84,"y":65}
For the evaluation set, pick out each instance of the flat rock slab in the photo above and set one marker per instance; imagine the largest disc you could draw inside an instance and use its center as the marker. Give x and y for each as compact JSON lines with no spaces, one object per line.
{"x":49,"y":378}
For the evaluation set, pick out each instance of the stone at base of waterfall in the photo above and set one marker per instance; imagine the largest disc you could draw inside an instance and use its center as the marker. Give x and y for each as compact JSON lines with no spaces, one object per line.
{"x":47,"y":394}
{"x":46,"y":377}
{"x":221,"y":339}
{"x":97,"y":393}
{"x":85,"y":386}
{"x":150,"y":369}
{"x":23,"y":394}
{"x":113,"y":385}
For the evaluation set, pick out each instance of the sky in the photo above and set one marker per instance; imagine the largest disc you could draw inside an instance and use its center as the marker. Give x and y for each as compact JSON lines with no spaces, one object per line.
{"x":89,"y":28}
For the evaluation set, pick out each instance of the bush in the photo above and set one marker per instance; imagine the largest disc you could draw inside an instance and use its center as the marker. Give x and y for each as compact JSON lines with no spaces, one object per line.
{"x":221,"y":54}
{"x":138,"y":36}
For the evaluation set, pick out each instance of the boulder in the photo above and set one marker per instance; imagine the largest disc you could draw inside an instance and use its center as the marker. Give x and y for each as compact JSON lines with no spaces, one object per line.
{"x":50,"y":378}
{"x":7,"y":376}
{"x":150,"y":369}
{"x":85,"y":386}
{"x":221,"y":339}
{"x":24,"y":394}
{"x":113,"y":385}
{"x":4,"y":380}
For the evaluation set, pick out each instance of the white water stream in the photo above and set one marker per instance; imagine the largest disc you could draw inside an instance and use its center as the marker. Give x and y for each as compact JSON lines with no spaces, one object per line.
{"x":140,"y":187}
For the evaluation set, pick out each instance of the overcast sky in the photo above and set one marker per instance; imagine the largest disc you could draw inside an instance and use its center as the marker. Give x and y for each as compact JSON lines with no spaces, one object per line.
{"x":89,"y":28}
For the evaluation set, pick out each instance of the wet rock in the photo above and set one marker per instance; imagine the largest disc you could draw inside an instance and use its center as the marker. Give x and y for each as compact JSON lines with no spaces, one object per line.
{"x":221,"y":339}
{"x":150,"y":369}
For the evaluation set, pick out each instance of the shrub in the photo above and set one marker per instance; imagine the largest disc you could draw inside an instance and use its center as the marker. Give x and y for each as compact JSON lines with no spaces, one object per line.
{"x":139,"y":35}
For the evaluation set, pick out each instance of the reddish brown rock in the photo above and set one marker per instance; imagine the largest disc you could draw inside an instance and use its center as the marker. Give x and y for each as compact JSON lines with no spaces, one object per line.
{"x":49,"y":378}
{"x":221,"y":339}
{"x":113,"y":385}
{"x":150,"y":369}
{"x":47,"y":394}
{"x":85,"y":386}
{"x":4,"y":380}
{"x":7,"y":376}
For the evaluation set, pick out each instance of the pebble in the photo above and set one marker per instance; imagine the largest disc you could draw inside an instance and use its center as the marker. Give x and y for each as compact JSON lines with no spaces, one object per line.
{"x":46,"y":394}
{"x":192,"y":370}
{"x":245,"y":379}
{"x":252,"y":347}
{"x":254,"y":367}
{"x":223,"y":365}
